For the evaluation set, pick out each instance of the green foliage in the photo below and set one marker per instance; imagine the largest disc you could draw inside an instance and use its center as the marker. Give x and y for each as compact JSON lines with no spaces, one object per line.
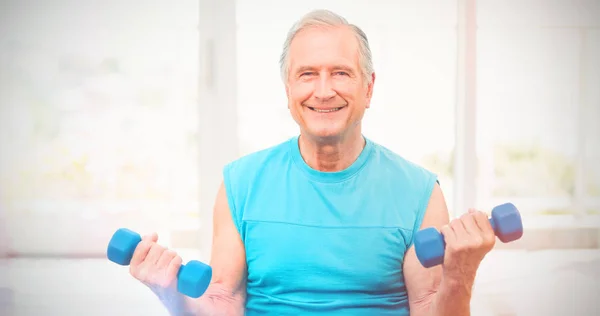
{"x":556,"y":211}
{"x":441,"y":163}
{"x":595,"y":211}
{"x":521,"y":169}
{"x":531,"y":170}
{"x":593,"y":189}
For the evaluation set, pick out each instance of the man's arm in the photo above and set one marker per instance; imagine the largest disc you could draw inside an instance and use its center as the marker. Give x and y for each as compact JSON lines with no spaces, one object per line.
{"x":446,"y":289}
{"x":226,"y":294}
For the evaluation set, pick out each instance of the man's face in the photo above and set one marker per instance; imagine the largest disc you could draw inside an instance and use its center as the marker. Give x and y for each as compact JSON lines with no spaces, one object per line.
{"x":327,"y":92}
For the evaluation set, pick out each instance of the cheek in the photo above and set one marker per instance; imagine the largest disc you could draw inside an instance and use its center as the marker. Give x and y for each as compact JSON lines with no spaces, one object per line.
{"x":300,"y":93}
{"x":347,"y":90}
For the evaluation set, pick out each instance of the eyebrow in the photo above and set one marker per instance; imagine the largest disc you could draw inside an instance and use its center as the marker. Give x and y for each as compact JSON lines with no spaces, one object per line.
{"x":302,"y":69}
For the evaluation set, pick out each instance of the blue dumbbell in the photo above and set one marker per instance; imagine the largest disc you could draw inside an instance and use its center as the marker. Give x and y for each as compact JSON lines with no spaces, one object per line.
{"x":193,"y":278}
{"x":430,"y":245}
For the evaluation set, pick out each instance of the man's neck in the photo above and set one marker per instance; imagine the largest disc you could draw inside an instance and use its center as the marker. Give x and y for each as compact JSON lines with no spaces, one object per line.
{"x":331,"y":155}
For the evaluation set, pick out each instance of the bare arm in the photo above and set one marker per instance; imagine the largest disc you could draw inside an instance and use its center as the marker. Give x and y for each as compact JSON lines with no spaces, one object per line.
{"x":434,"y":291}
{"x":157,"y":267}
{"x":226,"y":294}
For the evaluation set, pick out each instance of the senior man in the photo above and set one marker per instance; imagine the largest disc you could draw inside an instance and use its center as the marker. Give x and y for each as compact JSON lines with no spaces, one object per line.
{"x":323,"y":223}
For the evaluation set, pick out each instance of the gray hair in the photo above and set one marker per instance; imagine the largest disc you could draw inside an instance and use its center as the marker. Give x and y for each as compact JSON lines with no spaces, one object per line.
{"x":327,"y":18}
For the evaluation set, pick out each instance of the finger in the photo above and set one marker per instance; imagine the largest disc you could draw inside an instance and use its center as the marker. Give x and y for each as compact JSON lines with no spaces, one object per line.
{"x":448,"y":234}
{"x":154,"y":254}
{"x":476,"y":211}
{"x":140,"y":253}
{"x":471,"y":227}
{"x":460,"y":232}
{"x":482,"y":221}
{"x":166,"y":258}
{"x":174,"y":265}
{"x":476,"y":234}
{"x":153,"y":237}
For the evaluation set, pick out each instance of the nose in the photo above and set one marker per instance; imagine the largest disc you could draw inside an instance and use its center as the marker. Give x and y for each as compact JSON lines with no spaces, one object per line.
{"x":324,"y":88}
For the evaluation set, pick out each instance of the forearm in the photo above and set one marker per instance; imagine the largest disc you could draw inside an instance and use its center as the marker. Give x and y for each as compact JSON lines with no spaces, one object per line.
{"x":452,"y":298}
{"x":218,"y":301}
{"x":215,"y":301}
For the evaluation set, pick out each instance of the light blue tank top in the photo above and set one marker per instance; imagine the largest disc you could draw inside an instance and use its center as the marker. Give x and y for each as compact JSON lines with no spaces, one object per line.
{"x":326,"y":243}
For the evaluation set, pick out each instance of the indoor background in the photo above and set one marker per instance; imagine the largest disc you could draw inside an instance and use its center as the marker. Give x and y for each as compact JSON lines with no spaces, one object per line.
{"x":123,"y":113}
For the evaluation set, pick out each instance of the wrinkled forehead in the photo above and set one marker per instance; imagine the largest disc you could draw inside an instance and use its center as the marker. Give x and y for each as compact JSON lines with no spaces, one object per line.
{"x":324,"y":46}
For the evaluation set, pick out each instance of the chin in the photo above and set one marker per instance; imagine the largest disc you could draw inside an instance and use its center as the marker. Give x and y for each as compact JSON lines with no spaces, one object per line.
{"x":327,"y":133}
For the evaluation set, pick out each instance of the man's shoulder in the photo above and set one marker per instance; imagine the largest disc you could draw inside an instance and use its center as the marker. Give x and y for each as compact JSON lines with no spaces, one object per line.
{"x":392,"y":159}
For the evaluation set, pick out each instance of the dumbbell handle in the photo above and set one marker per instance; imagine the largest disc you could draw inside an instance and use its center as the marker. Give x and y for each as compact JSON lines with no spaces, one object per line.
{"x":430,"y":244}
{"x":193,"y":278}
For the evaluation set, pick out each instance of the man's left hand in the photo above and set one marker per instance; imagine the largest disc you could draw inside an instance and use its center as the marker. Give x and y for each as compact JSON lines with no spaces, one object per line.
{"x":468,"y":239}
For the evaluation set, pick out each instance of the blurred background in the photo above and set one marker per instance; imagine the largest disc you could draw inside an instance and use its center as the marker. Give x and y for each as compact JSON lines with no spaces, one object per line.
{"x":123,"y":113}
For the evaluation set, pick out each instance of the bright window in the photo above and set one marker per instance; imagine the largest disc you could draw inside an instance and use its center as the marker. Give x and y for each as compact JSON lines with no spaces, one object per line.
{"x":538,"y":73}
{"x":99,"y":117}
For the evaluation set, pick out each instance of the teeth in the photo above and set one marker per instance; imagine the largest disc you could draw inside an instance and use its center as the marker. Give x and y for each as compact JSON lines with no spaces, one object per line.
{"x":326,"y":111}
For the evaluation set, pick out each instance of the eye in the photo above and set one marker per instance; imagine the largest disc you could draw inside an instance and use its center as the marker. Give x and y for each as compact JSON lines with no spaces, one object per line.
{"x":340,"y":73}
{"x":307,"y":73}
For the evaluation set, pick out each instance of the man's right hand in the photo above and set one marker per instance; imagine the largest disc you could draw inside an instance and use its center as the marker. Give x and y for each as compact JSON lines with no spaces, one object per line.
{"x":155,"y":265}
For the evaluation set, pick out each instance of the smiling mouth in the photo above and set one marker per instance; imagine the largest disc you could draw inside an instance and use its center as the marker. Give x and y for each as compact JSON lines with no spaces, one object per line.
{"x":326,"y":110}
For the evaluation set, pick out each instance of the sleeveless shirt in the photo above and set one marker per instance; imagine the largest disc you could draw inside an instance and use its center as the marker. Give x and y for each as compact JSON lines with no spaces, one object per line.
{"x":326,"y":243}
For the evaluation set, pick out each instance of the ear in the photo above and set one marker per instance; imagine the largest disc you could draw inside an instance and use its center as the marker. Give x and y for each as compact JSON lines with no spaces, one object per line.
{"x":287,"y":94}
{"x":370,"y":90}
